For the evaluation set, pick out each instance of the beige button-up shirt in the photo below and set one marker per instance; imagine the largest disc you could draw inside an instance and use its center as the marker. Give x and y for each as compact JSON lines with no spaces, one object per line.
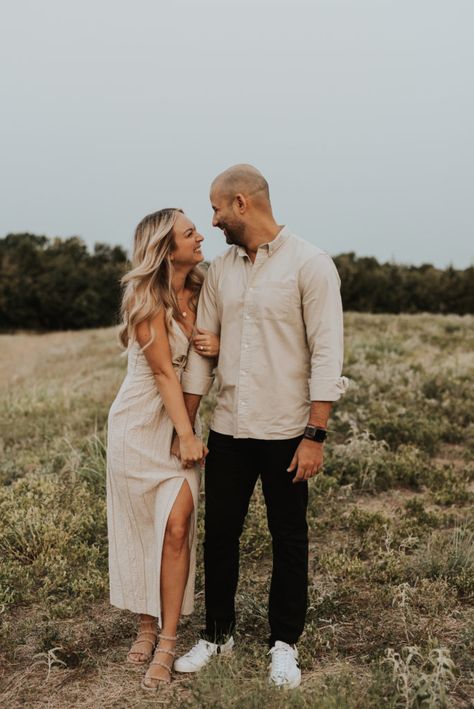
{"x":281,"y":338}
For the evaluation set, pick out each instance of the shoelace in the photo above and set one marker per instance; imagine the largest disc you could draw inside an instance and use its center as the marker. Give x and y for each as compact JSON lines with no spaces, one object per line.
{"x":280,"y":661}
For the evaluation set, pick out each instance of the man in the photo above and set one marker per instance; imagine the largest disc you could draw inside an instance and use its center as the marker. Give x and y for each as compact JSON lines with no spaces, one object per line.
{"x":274,"y":299}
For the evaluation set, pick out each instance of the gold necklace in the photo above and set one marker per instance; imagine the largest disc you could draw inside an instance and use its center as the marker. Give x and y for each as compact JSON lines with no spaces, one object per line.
{"x":183,"y":313}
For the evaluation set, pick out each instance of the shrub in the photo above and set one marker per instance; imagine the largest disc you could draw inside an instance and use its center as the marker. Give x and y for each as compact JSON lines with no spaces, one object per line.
{"x":53,"y":547}
{"x":421,"y":679}
{"x":369,"y":464}
{"x":447,"y":555}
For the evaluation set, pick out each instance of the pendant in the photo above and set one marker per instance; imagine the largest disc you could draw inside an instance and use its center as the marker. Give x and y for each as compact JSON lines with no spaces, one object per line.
{"x":184,"y":314}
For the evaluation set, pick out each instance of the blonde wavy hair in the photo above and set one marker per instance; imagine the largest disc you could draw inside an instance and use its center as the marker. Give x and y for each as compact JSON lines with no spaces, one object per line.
{"x":147,"y":286}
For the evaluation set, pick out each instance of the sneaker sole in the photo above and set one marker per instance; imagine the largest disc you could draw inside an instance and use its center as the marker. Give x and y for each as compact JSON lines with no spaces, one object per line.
{"x":288,"y":685}
{"x":185,"y":672}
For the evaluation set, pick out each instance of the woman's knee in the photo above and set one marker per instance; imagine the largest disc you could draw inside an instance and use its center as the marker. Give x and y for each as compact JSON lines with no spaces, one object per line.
{"x":177,"y":532}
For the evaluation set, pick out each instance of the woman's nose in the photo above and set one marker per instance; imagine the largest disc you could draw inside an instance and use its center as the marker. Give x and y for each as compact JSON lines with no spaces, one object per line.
{"x":199,"y":238}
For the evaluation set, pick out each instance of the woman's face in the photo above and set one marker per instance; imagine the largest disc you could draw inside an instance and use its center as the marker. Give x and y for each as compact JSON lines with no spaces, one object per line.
{"x":187,"y":251}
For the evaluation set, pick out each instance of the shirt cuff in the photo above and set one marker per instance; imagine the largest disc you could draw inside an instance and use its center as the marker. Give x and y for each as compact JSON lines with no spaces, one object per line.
{"x":192,"y":384}
{"x":327,"y":389}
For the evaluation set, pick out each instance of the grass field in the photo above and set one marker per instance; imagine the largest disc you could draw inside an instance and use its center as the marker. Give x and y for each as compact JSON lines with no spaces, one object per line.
{"x":391,"y":615}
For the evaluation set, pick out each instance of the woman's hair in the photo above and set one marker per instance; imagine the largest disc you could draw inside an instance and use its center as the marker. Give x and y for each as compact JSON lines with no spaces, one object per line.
{"x":147,"y":286}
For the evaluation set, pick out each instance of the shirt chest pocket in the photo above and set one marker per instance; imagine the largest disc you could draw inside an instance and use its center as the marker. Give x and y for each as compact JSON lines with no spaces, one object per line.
{"x":276,"y":301}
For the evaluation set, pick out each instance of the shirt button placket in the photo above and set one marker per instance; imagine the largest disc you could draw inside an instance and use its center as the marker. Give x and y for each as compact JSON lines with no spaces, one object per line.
{"x":245,"y":356}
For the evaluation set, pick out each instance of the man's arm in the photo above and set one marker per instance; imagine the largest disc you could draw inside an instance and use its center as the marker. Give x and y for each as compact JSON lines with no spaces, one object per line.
{"x":191,"y":402}
{"x":198,"y":374}
{"x":322,"y":313}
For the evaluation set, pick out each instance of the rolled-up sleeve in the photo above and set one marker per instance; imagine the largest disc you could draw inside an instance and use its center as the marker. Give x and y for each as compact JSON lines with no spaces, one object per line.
{"x":198,"y":375}
{"x":319,"y":284}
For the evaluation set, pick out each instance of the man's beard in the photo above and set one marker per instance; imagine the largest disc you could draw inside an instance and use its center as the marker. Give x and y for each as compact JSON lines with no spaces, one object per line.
{"x":234,"y":234}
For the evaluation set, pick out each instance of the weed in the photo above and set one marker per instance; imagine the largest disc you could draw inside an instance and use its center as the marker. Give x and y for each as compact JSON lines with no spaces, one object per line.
{"x":421,"y":679}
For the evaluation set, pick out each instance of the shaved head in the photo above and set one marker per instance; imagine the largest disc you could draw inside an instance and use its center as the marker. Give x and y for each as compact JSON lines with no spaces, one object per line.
{"x":242,"y":179}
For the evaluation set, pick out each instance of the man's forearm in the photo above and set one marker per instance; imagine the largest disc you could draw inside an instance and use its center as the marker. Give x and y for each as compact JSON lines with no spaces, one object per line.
{"x":319,"y":414}
{"x":192,"y":402}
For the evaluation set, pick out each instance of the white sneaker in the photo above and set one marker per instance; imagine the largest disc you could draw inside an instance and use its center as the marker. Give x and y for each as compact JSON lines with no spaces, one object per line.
{"x":200,"y":654}
{"x":284,"y":670}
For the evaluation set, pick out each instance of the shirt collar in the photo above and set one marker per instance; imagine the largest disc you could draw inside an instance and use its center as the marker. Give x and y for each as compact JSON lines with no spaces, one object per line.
{"x":272,"y":245}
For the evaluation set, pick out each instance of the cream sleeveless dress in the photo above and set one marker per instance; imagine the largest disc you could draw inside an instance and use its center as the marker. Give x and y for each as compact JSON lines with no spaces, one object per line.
{"x":143,"y":481}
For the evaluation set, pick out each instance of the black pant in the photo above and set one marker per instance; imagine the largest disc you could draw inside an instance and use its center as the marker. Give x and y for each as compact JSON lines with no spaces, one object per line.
{"x":232,"y":468}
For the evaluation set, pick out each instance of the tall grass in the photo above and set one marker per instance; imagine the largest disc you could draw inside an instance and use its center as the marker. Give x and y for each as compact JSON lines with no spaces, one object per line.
{"x":391,"y":534}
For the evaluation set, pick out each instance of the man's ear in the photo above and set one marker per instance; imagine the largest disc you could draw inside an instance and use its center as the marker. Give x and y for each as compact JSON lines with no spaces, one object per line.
{"x":240,"y":202}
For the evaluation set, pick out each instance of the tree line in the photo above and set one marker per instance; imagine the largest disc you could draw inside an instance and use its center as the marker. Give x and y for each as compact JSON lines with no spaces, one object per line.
{"x":370,"y":286}
{"x":58,"y":284}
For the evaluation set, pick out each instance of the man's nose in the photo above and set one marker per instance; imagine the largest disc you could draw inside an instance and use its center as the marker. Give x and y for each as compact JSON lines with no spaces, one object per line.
{"x":214,"y":220}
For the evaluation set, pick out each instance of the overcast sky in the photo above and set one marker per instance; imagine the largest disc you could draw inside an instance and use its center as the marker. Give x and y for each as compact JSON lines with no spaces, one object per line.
{"x":360,"y":114}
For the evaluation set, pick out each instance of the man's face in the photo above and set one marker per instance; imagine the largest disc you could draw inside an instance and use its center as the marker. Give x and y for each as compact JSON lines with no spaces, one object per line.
{"x":225,"y":218}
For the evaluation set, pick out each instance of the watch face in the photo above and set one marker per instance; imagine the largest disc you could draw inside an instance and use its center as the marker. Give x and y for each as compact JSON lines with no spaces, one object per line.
{"x":315,"y":434}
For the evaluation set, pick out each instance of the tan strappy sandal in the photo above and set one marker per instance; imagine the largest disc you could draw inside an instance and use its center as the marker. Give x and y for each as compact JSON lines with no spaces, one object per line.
{"x":149,"y":637}
{"x":169,"y":668}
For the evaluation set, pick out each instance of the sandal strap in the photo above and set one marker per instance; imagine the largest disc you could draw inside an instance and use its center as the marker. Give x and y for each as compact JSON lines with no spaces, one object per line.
{"x":167,"y":637}
{"x":141,"y":633}
{"x":161,"y":664}
{"x":168,"y":652}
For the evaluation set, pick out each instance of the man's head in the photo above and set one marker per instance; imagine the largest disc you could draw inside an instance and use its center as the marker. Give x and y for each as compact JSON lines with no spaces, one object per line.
{"x":240,"y":199}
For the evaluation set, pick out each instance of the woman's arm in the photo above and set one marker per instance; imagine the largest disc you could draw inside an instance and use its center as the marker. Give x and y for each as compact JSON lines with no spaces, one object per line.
{"x":158,"y":356}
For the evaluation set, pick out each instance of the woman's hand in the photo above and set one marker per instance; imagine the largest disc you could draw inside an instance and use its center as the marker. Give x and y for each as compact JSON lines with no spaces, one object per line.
{"x":191,"y":451}
{"x":206,"y":343}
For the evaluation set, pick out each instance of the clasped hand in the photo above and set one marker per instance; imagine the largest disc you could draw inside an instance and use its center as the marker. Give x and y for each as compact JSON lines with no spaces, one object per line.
{"x":189,"y":449}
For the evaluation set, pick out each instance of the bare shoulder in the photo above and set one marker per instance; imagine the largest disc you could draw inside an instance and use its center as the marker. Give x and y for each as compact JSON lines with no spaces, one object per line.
{"x":154,"y":326}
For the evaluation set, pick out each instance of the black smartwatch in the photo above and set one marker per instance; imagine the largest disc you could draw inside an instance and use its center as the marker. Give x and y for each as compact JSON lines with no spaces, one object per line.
{"x":314,"y":433}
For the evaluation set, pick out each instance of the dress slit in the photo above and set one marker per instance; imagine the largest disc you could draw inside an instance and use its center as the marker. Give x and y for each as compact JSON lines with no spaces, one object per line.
{"x":191,"y":536}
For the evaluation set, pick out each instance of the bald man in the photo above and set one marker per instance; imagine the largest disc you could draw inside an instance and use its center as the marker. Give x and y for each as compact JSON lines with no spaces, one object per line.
{"x":274,"y":301}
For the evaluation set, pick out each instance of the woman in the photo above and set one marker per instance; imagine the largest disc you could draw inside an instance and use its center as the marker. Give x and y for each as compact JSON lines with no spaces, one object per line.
{"x":152,"y":495}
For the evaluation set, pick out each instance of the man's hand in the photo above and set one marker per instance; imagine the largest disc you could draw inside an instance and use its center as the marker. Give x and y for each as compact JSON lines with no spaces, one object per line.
{"x":307,"y":460}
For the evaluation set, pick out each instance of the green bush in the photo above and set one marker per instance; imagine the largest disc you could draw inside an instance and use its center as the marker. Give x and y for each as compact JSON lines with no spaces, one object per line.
{"x":447,"y":555}
{"x":53,"y":546}
{"x":369,"y":464}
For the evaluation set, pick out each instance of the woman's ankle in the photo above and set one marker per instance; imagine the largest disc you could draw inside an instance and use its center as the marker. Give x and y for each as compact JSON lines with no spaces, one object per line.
{"x":147,"y":620}
{"x":167,"y":639}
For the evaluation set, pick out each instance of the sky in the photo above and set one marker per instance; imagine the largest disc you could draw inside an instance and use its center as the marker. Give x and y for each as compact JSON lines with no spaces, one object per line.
{"x":359,"y":113}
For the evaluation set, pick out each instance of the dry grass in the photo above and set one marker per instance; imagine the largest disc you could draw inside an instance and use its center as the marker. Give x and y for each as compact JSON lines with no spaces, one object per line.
{"x":391,"y":534}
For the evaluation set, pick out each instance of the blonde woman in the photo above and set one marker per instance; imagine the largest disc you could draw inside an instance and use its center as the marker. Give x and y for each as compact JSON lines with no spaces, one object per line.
{"x":151,"y":494}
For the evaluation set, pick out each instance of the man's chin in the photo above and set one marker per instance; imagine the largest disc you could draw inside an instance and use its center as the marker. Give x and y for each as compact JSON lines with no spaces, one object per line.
{"x":230,"y":239}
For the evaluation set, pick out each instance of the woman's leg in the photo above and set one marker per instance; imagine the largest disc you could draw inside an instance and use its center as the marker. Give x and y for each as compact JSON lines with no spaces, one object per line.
{"x":147,"y":636}
{"x":174,"y":576}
